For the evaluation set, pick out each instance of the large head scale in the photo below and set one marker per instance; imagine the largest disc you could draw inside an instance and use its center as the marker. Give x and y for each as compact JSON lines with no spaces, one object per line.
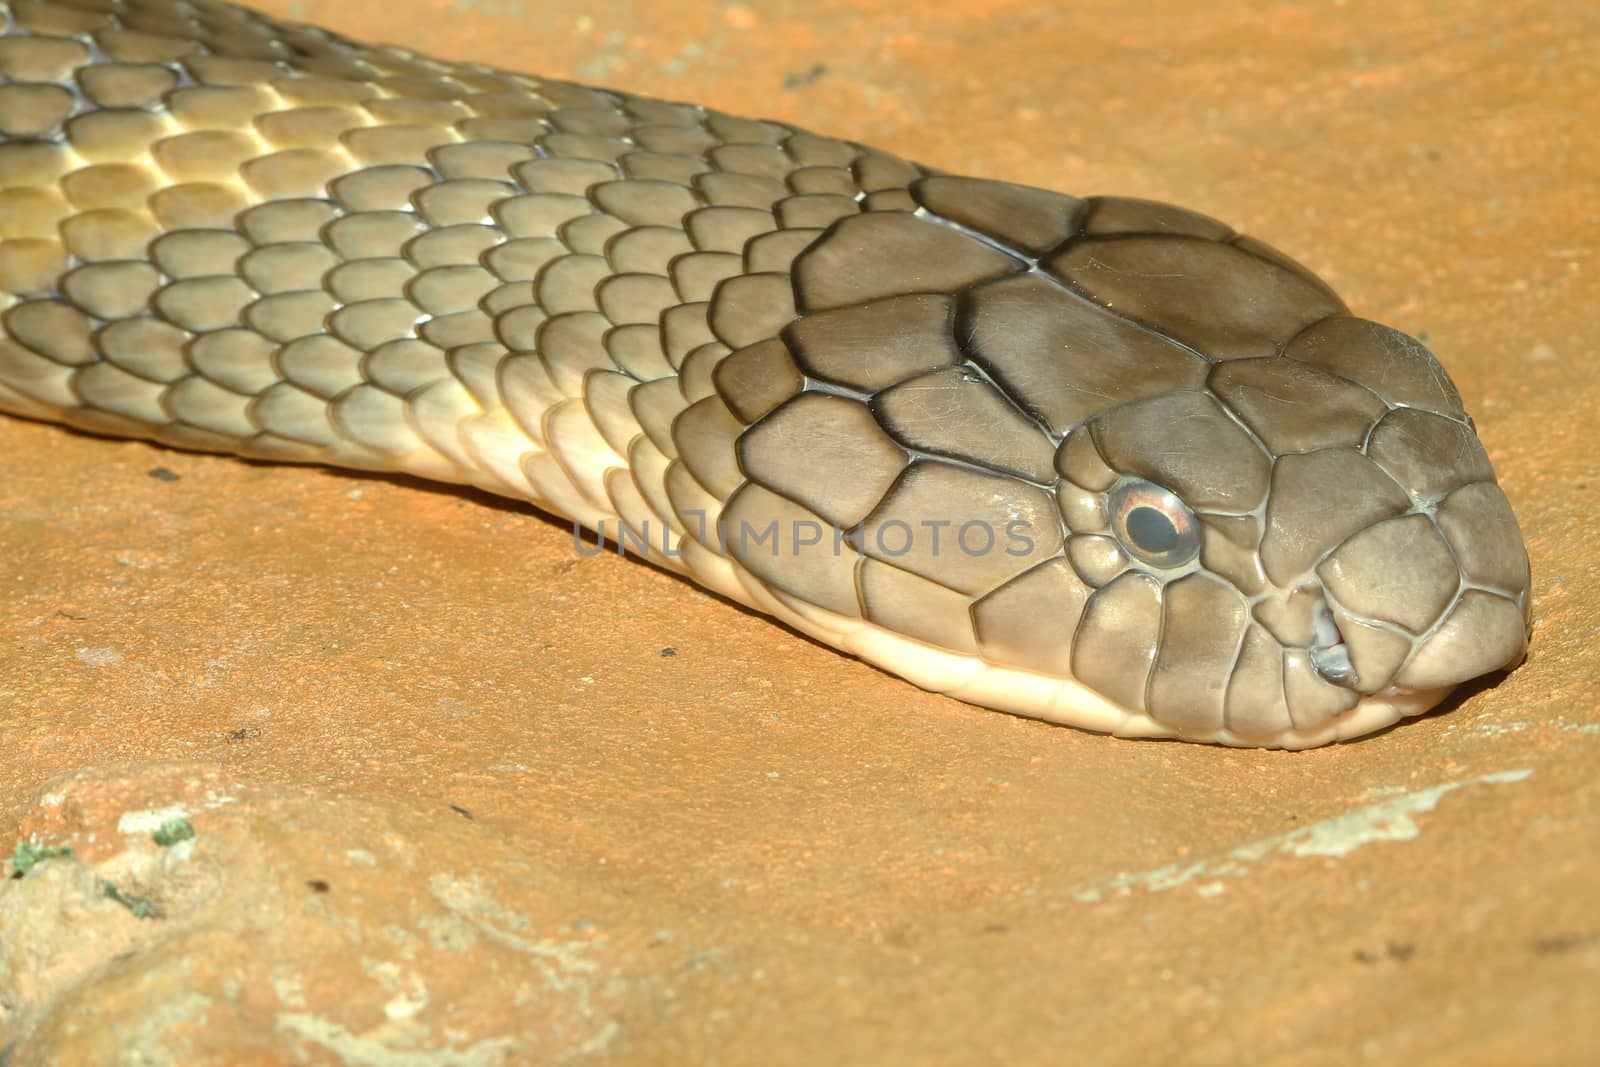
{"x":1249,"y":516}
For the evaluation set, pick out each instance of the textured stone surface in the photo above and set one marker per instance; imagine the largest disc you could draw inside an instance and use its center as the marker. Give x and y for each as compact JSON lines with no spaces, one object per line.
{"x":750,"y":850}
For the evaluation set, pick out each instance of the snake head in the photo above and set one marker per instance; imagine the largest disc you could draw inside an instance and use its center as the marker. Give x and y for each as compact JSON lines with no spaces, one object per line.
{"x":1282,"y":527}
{"x":1249,"y":516}
{"x":1310,"y":542}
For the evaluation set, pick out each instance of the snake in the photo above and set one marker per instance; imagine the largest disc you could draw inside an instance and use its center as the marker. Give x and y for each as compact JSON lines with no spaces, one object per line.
{"x":1101,"y":461}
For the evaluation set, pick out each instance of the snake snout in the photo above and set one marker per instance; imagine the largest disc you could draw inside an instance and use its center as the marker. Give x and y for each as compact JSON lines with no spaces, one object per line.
{"x":1484,"y":632}
{"x":1435,"y":597}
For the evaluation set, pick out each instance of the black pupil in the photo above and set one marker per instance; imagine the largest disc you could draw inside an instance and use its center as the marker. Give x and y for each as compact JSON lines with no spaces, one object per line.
{"x":1151,"y":530}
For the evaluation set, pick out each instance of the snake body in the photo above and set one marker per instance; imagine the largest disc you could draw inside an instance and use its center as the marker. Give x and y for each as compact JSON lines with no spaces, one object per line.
{"x":1099,"y":461}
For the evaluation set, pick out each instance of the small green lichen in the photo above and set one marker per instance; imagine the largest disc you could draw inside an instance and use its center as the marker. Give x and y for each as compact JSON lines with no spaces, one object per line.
{"x":141,"y":908}
{"x":172,"y":831}
{"x":28,"y":856}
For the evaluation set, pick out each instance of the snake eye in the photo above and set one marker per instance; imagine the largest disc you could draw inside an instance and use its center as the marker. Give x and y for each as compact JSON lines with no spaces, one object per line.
{"x":1153,"y":524}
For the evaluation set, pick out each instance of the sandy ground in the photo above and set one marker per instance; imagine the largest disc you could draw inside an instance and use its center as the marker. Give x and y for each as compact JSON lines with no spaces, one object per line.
{"x":463,"y":797}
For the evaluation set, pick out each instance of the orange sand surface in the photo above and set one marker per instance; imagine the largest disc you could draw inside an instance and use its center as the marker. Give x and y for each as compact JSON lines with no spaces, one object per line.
{"x":463,"y":797}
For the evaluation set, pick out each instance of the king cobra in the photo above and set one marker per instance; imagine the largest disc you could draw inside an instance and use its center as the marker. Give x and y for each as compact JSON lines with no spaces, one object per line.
{"x":1100,"y":461}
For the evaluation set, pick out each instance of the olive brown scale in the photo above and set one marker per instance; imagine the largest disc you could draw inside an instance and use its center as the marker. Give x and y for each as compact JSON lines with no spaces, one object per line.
{"x":1099,"y":461}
